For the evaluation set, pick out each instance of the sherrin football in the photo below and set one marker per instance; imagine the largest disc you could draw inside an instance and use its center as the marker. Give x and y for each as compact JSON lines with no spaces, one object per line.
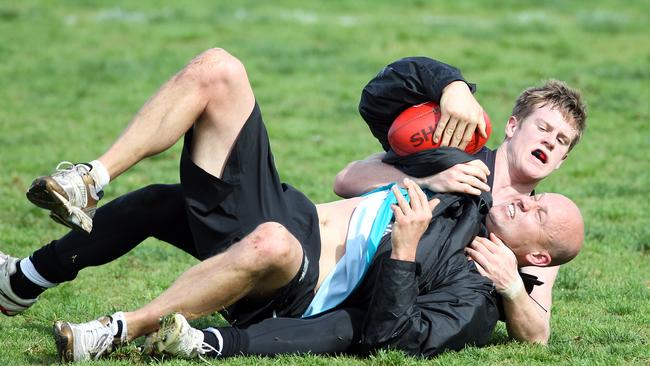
{"x":412,"y":130}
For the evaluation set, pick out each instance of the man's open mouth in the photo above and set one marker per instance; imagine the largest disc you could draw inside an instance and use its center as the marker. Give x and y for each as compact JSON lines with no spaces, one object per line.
{"x":511,"y":210}
{"x":540,"y":155}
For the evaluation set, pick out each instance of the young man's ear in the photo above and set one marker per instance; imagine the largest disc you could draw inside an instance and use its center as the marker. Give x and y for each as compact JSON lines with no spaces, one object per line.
{"x":511,"y":126}
{"x":539,"y":259}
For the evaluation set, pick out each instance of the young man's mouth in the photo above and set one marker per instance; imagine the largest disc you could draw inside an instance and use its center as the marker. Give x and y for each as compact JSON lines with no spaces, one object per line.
{"x":540,"y":155}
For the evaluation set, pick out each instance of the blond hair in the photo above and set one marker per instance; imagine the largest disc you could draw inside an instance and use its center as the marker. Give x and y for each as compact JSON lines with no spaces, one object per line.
{"x":558,"y":95}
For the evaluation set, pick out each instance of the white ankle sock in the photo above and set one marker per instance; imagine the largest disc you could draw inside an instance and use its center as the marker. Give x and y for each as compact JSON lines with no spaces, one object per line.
{"x":32,"y":274}
{"x":99,"y":174}
{"x":118,"y":326}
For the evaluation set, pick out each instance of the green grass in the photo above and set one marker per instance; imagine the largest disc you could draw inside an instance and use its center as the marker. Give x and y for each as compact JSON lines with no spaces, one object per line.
{"x":73,"y":73}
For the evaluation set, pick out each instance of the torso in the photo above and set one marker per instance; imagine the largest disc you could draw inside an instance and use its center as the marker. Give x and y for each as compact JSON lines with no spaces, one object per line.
{"x":333,"y":218}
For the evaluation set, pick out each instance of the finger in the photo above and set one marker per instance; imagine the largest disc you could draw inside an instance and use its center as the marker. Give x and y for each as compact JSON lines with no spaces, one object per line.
{"x":487,"y":243}
{"x":474,"y":183}
{"x":401,"y":202}
{"x":424,"y":200}
{"x":442,"y":123}
{"x":476,"y":256}
{"x":482,"y":125}
{"x":485,"y":248}
{"x":480,"y":269}
{"x":433,"y":203}
{"x":465,"y":188}
{"x":474,"y":171}
{"x":481,"y":165}
{"x":467,"y":136}
{"x":458,"y":134}
{"x":496,"y":240}
{"x":420,"y":196}
{"x":449,"y":131}
{"x":397,"y":211}
{"x":412,"y":190}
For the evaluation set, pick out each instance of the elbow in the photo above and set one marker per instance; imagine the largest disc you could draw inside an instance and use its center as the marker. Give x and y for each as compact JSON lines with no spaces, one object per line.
{"x":342,"y":185}
{"x":541,"y":340}
{"x":540,"y":337}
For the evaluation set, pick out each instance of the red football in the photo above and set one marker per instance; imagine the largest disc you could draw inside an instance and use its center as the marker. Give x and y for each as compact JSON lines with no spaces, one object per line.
{"x":412,"y":130}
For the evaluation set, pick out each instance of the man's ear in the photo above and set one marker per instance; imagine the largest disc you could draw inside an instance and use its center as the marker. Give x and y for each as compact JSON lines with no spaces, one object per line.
{"x":561,"y":161}
{"x":511,"y":126}
{"x":539,"y":259}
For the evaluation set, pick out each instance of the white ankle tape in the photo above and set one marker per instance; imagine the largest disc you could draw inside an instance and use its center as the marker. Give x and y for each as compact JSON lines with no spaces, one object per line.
{"x":514,"y":290}
{"x":32,"y":274}
{"x":99,"y":174}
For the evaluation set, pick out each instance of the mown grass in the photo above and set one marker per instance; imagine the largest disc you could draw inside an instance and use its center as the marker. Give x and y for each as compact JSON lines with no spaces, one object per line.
{"x":73,"y":73}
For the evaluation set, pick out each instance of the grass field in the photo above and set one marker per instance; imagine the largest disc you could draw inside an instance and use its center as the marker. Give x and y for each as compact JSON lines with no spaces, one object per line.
{"x":73,"y":73}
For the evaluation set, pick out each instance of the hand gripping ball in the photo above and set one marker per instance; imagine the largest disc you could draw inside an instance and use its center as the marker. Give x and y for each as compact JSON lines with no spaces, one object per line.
{"x":412,"y":130}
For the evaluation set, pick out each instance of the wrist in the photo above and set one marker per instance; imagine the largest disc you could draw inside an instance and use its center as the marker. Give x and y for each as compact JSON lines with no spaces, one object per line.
{"x":456,"y":84}
{"x":405,"y":256}
{"x":515,"y":289}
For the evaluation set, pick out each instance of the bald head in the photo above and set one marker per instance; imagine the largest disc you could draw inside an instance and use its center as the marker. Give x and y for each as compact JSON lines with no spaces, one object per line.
{"x":567,"y":231}
{"x":542,"y":230}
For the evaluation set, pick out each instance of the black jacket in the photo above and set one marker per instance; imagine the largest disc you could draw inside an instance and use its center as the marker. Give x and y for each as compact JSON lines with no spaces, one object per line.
{"x":440,"y":302}
{"x":403,"y":83}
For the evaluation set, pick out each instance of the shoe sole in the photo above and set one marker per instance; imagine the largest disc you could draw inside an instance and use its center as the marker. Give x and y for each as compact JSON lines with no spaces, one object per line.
{"x":42,"y":194}
{"x":8,"y":312}
{"x":64,"y":341}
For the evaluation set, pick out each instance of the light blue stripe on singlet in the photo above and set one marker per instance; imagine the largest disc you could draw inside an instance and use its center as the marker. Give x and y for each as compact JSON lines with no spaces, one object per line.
{"x":350,"y":269}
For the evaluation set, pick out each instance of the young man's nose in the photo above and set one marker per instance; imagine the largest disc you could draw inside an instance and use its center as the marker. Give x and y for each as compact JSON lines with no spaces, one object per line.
{"x":549,"y":141}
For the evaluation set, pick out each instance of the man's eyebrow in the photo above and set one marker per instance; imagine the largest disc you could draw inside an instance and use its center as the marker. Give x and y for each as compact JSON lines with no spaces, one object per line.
{"x":561,"y":133}
{"x":542,"y":209}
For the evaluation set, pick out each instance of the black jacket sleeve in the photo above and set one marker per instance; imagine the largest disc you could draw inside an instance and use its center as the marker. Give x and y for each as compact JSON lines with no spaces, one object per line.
{"x":403,"y":83}
{"x":449,"y":318}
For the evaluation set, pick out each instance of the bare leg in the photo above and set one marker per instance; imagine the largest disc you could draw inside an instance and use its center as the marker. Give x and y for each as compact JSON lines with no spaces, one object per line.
{"x":212,"y":91}
{"x":262,"y":262}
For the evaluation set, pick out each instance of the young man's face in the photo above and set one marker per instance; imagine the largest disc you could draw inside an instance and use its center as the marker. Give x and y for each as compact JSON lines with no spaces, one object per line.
{"x":538,"y":144}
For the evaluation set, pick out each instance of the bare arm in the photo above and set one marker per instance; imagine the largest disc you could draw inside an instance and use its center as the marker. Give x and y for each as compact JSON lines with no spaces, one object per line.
{"x":361,"y":176}
{"x":526,"y":320}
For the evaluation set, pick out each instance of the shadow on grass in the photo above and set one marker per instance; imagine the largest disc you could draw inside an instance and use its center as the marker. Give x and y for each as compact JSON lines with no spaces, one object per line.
{"x":41,"y":355}
{"x":499,"y":336}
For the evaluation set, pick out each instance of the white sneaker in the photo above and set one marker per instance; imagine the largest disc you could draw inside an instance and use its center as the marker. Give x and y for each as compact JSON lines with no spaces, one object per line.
{"x":70,"y":194}
{"x":85,"y":341}
{"x":10,"y":303}
{"x":176,"y":337}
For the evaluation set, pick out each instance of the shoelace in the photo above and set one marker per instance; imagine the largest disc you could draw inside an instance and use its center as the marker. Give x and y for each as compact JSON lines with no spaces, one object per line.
{"x":100,"y":340}
{"x":194,"y":343}
{"x":72,"y":173}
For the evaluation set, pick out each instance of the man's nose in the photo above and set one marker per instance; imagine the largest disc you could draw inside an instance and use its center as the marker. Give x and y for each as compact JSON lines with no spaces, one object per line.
{"x":549,"y":141}
{"x":527,"y":204}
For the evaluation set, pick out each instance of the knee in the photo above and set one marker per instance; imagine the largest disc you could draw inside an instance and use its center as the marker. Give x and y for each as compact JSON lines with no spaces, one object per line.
{"x":215,"y":70}
{"x":272,"y":246}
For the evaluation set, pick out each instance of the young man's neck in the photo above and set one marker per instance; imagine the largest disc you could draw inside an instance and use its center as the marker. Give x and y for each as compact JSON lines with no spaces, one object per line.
{"x":506,"y":185}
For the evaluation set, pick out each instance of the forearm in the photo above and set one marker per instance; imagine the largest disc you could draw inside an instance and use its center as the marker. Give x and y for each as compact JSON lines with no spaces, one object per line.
{"x":525,"y":320}
{"x":362,"y":176}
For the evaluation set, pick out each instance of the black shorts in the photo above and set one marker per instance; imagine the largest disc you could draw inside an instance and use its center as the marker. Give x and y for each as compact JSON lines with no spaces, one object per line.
{"x":223,"y":211}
